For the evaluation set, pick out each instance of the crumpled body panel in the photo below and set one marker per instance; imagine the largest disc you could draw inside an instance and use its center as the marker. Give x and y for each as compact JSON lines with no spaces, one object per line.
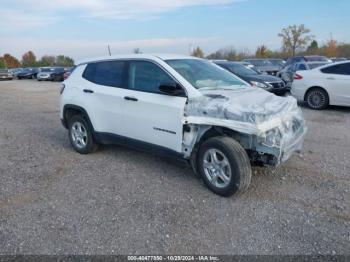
{"x":275,"y":122}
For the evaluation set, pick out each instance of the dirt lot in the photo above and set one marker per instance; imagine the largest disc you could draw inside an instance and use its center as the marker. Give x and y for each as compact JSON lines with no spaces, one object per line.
{"x":120,"y":201}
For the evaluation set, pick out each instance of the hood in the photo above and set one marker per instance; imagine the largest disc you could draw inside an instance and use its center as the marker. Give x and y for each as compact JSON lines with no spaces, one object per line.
{"x":261,"y":78}
{"x":249,"y":110}
{"x":269,"y":68}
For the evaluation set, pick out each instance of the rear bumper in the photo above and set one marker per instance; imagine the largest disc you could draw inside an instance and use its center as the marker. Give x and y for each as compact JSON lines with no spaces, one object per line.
{"x":25,"y":76}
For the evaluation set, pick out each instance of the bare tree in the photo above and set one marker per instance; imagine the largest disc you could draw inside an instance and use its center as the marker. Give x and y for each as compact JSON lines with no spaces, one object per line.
{"x":295,"y":37}
{"x":262,"y":51}
{"x":198,"y":52}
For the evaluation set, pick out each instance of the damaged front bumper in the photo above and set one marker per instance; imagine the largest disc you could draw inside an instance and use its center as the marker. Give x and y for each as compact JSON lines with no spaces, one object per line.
{"x":269,"y":128}
{"x":280,"y":150}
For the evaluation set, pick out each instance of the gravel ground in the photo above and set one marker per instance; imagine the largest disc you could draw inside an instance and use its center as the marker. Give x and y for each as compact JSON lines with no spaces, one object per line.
{"x":121,"y":201}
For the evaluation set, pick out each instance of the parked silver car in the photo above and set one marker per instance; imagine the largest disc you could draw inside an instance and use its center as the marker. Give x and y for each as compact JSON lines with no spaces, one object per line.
{"x":5,"y":74}
{"x":45,"y":73}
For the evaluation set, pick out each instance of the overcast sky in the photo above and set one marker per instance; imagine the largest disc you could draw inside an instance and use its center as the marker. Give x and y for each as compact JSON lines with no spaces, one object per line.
{"x":84,"y":28}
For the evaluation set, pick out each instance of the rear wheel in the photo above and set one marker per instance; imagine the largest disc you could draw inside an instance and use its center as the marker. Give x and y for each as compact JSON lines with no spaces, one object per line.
{"x":224,"y":166}
{"x":80,"y":135}
{"x":317,"y":99}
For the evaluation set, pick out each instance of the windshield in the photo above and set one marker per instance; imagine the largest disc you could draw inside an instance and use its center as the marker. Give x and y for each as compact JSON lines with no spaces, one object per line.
{"x":260,"y":62}
{"x":315,"y":65}
{"x":277,"y":62}
{"x":3,"y":70}
{"x":241,"y":70}
{"x":203,"y":74}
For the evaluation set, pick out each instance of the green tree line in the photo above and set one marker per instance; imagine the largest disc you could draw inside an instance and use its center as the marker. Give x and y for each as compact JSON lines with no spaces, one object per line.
{"x":29,"y":59}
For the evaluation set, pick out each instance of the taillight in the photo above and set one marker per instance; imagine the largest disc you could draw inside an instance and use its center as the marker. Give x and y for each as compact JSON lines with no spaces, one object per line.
{"x":297,"y":77}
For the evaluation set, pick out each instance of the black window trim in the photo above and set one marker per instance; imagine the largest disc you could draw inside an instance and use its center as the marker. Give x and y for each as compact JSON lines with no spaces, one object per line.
{"x":126,"y":74}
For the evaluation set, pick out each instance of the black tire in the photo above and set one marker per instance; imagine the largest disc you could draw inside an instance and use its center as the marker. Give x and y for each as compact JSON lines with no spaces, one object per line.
{"x":317,"y":98}
{"x":239,"y":164}
{"x":90,"y":145}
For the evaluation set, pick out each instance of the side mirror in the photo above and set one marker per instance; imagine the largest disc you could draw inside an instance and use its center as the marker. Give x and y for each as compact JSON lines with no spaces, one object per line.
{"x":172,"y":89}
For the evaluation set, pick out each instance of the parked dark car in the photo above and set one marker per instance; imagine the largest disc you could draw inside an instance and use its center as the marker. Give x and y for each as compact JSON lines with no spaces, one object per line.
{"x":5,"y":74}
{"x":264,"y":65}
{"x":28,"y":73}
{"x":269,"y":83}
{"x":310,"y":58}
{"x":58,"y":74}
{"x":287,"y":73}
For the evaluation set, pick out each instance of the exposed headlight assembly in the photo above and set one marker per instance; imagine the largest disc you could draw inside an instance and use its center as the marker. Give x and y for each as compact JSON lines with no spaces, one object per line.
{"x":260,"y":85}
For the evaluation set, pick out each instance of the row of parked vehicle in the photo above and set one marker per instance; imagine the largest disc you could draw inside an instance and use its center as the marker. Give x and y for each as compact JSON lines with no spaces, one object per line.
{"x":41,"y":74}
{"x":317,"y":80}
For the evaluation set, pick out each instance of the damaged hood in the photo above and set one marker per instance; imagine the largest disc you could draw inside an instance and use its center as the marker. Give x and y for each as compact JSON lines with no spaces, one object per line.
{"x":248,"y":110}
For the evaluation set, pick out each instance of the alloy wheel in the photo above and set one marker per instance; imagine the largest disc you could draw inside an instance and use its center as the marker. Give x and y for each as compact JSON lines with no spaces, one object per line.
{"x":79,"y":135}
{"x":217,"y":168}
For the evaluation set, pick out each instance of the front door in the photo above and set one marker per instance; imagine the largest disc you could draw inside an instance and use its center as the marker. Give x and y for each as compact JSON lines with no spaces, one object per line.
{"x":149,"y":115}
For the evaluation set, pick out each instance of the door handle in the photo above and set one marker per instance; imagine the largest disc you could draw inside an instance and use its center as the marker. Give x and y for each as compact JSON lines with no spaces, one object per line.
{"x":88,"y":91}
{"x":129,"y":98}
{"x":330,"y":78}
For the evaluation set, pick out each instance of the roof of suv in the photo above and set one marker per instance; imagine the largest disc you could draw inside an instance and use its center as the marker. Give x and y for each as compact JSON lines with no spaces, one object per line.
{"x":136,"y":56}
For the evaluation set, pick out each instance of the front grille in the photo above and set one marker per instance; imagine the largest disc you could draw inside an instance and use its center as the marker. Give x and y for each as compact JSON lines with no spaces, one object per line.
{"x":278,"y":85}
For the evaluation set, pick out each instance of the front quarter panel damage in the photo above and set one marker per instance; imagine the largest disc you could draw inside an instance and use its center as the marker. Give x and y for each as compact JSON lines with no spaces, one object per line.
{"x":262,"y":122}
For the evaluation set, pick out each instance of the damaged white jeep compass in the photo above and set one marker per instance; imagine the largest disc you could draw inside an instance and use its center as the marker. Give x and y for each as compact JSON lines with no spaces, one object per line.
{"x":183,"y":106}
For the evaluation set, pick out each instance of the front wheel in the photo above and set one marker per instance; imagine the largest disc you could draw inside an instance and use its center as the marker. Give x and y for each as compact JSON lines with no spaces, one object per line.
{"x":80,"y":135}
{"x":224,"y":166}
{"x":317,"y":99}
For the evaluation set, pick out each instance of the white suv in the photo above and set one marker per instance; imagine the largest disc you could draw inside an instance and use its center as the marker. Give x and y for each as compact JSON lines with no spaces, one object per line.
{"x":184,"y":107}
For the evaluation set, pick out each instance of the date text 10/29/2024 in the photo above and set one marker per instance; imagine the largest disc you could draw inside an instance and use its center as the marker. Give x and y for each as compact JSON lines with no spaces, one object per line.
{"x":173,"y":258}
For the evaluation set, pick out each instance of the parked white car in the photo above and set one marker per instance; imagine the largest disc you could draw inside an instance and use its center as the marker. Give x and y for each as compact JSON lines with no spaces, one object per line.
{"x":323,"y":86}
{"x":184,"y":107}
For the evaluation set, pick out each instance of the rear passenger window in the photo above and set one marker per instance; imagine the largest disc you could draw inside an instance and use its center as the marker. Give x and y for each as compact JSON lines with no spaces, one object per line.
{"x":109,"y":73}
{"x":147,"y":77}
{"x":342,"y":69}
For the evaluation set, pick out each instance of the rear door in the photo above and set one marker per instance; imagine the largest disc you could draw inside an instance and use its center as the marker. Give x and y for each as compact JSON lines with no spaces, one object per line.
{"x":149,"y":115}
{"x":103,"y":95}
{"x":337,"y":78}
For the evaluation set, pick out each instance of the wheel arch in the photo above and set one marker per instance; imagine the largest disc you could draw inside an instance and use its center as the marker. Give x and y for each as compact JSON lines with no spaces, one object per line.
{"x":71,"y":110}
{"x":215,"y":131}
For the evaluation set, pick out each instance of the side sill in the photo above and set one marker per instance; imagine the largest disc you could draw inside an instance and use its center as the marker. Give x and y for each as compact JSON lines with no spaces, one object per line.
{"x":113,"y":139}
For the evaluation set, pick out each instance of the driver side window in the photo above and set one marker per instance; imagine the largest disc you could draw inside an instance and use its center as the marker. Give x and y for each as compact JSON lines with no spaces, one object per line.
{"x":147,"y":77}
